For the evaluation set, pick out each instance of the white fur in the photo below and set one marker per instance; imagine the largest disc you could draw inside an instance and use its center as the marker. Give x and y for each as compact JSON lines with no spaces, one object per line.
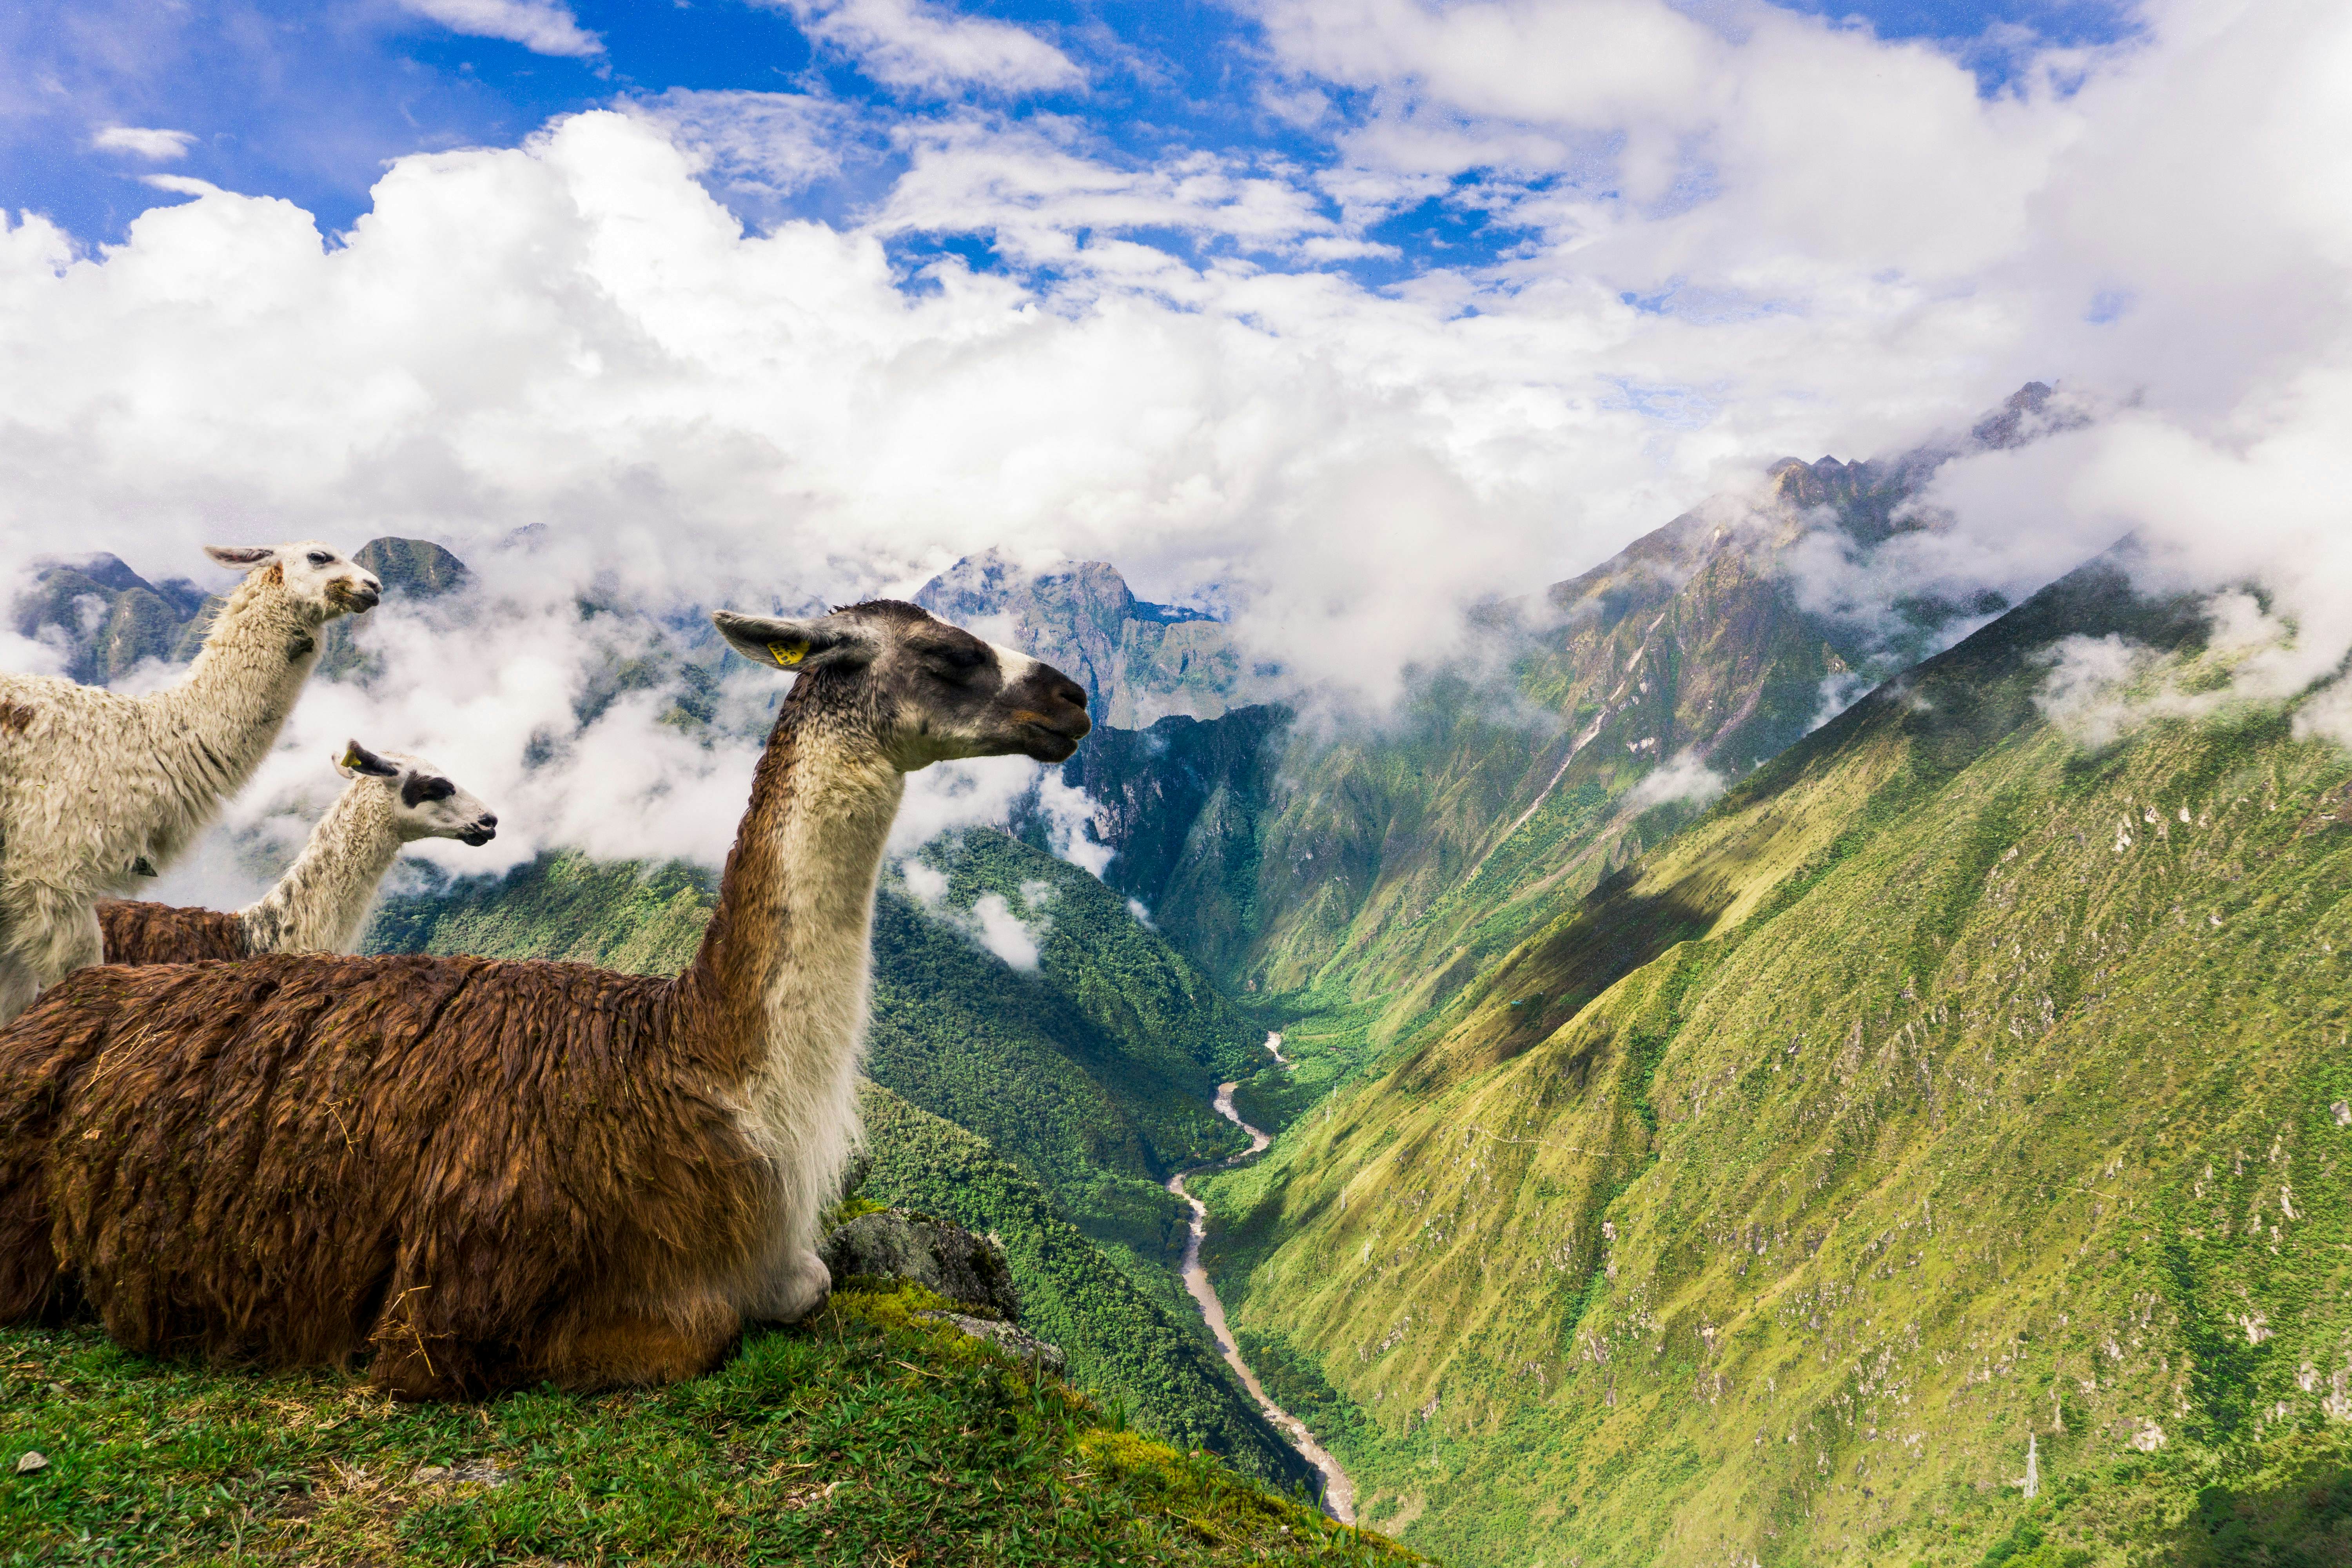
{"x":323,"y":899}
{"x":801,"y":1107}
{"x":92,"y":782}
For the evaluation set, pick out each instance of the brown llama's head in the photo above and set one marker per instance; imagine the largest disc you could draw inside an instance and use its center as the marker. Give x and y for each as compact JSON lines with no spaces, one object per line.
{"x":926,"y":690}
{"x":321,"y":582}
{"x":425,"y":803}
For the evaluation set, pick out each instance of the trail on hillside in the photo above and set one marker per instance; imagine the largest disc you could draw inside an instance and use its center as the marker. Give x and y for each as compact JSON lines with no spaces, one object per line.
{"x":1339,"y":1492}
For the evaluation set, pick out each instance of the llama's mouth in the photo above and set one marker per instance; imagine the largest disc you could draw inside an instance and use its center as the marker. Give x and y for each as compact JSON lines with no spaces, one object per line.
{"x":1053,"y":743}
{"x":477,"y":835}
{"x":352,"y":601}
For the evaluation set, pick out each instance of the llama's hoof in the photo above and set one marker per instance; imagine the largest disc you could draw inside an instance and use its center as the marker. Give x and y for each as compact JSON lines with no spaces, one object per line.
{"x":801,"y":1287}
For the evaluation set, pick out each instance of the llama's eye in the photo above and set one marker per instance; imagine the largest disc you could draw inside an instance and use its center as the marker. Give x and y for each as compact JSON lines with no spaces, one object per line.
{"x":320,"y":558}
{"x":960,"y":660}
{"x":436,"y":789}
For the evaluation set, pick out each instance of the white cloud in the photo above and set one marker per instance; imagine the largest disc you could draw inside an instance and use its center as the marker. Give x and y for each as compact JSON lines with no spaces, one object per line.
{"x":996,"y":928}
{"x":542,"y":27}
{"x":575,"y":333}
{"x":162,"y":146}
{"x":1683,"y":777}
{"x":924,"y":45}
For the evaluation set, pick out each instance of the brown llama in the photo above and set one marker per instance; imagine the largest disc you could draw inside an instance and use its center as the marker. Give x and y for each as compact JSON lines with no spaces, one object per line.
{"x":491,"y":1174}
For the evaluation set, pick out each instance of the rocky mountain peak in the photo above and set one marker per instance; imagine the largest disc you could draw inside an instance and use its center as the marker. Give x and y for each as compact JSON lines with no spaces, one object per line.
{"x":1138,"y":661}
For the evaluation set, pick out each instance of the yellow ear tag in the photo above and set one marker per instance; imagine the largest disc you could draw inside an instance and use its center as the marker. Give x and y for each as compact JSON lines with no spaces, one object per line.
{"x":351,"y":759}
{"x":788,"y":654}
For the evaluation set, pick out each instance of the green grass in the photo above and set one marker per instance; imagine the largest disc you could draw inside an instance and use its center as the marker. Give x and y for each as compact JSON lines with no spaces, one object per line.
{"x":862,"y":1438}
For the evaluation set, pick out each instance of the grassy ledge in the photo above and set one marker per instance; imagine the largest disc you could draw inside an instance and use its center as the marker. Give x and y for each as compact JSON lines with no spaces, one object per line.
{"x":866,"y":1436}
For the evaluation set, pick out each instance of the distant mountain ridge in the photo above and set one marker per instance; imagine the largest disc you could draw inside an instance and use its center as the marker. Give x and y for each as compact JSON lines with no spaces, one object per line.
{"x":1138,"y":661}
{"x":105,"y":620}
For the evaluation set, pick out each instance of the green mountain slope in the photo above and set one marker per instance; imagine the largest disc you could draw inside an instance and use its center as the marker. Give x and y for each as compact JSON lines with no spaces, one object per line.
{"x":1949,"y":1097}
{"x":1582,"y":726}
{"x":1090,"y":1076}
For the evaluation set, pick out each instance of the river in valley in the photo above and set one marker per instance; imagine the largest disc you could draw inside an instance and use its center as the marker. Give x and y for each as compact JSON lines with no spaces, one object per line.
{"x":1339,"y":1492}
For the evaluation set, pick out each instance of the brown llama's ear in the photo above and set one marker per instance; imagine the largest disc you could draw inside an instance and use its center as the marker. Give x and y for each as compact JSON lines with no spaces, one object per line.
{"x":358,"y":762}
{"x":782,"y":643}
{"x":240,"y":555}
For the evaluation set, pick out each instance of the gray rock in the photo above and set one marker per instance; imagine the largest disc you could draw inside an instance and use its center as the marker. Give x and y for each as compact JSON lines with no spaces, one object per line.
{"x":1020,"y":1345}
{"x":894,"y":1243}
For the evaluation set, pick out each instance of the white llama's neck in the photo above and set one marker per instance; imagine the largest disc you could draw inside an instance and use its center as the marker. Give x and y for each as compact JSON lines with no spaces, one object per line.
{"x":321,"y":902}
{"x":223,"y":718}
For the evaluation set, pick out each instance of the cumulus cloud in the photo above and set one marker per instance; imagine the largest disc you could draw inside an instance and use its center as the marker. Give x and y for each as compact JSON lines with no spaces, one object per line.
{"x":924,"y":46}
{"x":140,"y":142}
{"x":1755,"y":234}
{"x":542,"y":27}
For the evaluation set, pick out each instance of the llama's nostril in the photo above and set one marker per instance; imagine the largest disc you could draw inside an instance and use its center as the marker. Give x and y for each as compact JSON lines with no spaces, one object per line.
{"x":489,"y":819}
{"x":1072,"y":692}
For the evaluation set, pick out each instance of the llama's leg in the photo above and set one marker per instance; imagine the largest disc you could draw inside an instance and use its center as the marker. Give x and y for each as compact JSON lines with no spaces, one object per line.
{"x":75,"y":941}
{"x":644,"y":1349}
{"x":18,"y":985}
{"x":50,"y":935}
{"x":797,"y":1285}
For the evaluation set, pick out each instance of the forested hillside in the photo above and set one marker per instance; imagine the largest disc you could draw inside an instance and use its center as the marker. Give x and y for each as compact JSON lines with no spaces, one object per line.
{"x":1937,"y":1153}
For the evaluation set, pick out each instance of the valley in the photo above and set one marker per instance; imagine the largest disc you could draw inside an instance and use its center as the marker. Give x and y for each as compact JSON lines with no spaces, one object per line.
{"x":1339,"y":1492}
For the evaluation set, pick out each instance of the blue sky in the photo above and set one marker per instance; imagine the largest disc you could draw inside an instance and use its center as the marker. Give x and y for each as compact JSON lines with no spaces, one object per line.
{"x":309,"y":101}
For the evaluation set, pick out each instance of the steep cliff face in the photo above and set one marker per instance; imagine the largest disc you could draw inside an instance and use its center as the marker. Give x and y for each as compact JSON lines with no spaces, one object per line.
{"x":1139,"y":661}
{"x":1950,"y":1105}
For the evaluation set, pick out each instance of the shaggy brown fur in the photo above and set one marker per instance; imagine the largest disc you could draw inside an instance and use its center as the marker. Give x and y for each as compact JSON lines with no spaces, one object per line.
{"x":137,"y":932}
{"x":484,"y":1173}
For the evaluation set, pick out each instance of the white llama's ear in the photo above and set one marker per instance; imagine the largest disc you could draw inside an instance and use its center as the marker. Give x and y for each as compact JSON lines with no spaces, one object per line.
{"x":357,"y":760}
{"x":240,"y":555}
{"x":785,"y":644}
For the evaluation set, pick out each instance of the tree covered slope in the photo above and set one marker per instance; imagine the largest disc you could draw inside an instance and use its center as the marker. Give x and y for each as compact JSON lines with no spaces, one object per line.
{"x":1954,"y":1102}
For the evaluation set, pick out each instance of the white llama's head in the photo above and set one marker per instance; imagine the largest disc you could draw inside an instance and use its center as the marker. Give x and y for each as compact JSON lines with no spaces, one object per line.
{"x":322,"y":582}
{"x":425,"y":803}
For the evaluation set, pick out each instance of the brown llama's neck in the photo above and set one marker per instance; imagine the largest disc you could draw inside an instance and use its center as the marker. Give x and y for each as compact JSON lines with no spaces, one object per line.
{"x":783,"y":968}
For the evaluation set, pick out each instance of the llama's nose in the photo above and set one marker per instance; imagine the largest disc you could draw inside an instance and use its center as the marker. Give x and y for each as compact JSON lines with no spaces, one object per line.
{"x":1072,"y":694}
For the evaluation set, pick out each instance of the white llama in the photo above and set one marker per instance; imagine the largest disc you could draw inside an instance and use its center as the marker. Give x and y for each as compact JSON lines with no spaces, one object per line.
{"x":97,"y":788}
{"x":320,"y":904}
